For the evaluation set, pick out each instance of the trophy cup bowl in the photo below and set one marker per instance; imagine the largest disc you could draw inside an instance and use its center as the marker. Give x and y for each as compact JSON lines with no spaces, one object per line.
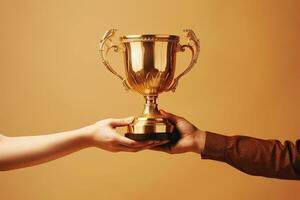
{"x":150,"y":63}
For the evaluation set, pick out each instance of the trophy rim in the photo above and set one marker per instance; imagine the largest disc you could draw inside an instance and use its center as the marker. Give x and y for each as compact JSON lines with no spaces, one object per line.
{"x":149,"y":37}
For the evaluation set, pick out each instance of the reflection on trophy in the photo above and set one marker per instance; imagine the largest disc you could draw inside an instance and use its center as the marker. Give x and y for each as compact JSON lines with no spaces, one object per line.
{"x":150,"y":62}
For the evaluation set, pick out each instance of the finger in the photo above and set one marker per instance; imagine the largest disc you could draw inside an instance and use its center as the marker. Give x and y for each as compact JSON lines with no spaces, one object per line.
{"x":161,"y":142}
{"x":120,"y":121}
{"x":131,"y":143}
{"x":122,"y":148}
{"x":152,"y":143}
{"x":137,"y":144}
{"x":136,"y":149}
{"x":170,"y":116}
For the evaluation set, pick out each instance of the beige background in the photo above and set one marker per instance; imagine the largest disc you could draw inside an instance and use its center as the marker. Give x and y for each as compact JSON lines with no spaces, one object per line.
{"x":51,"y":79}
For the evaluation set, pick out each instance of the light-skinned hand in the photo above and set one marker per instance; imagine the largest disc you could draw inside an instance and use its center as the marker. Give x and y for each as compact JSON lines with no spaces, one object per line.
{"x":103,"y":135}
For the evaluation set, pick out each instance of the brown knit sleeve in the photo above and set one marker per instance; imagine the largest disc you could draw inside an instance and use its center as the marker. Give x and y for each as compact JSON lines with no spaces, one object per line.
{"x":269,"y":158}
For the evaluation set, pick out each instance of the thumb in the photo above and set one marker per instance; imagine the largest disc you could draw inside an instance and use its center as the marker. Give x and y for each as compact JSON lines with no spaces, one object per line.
{"x":117,"y":122}
{"x":173,"y":118}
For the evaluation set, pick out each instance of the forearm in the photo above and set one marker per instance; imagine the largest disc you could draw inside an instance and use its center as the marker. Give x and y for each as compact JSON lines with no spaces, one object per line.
{"x":254,"y":156}
{"x":18,"y":152}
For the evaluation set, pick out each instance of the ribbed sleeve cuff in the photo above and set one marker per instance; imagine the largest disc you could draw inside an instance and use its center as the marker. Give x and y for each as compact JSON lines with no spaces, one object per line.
{"x":215,"y":147}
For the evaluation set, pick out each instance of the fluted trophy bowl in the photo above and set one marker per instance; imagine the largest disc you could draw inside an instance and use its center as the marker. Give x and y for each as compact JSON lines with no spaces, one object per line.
{"x":150,"y":62}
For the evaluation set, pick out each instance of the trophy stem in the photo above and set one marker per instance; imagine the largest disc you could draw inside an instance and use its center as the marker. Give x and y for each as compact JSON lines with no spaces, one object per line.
{"x":151,"y":125}
{"x":150,"y":108}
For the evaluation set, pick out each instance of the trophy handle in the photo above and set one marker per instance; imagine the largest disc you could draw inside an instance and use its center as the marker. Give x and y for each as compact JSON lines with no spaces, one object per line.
{"x":194,"y":46}
{"x":105,"y":46}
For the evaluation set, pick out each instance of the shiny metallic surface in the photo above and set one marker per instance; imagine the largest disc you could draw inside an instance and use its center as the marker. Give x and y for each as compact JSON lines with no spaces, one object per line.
{"x":150,"y":65}
{"x":151,"y":121}
{"x":150,"y":62}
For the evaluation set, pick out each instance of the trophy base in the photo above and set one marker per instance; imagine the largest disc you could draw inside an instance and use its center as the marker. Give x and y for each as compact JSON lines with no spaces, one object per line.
{"x":151,"y":128}
{"x":150,"y":136}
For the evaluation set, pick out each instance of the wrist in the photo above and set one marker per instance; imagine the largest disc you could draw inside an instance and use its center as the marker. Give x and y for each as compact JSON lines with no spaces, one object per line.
{"x":199,"y":141}
{"x":86,"y":135}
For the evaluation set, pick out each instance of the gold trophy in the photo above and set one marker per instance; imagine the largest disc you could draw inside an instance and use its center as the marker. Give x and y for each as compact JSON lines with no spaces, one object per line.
{"x":150,"y":62}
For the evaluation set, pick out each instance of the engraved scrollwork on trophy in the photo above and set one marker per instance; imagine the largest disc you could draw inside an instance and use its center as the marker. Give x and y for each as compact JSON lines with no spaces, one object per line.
{"x":149,"y":38}
{"x":154,"y":83}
